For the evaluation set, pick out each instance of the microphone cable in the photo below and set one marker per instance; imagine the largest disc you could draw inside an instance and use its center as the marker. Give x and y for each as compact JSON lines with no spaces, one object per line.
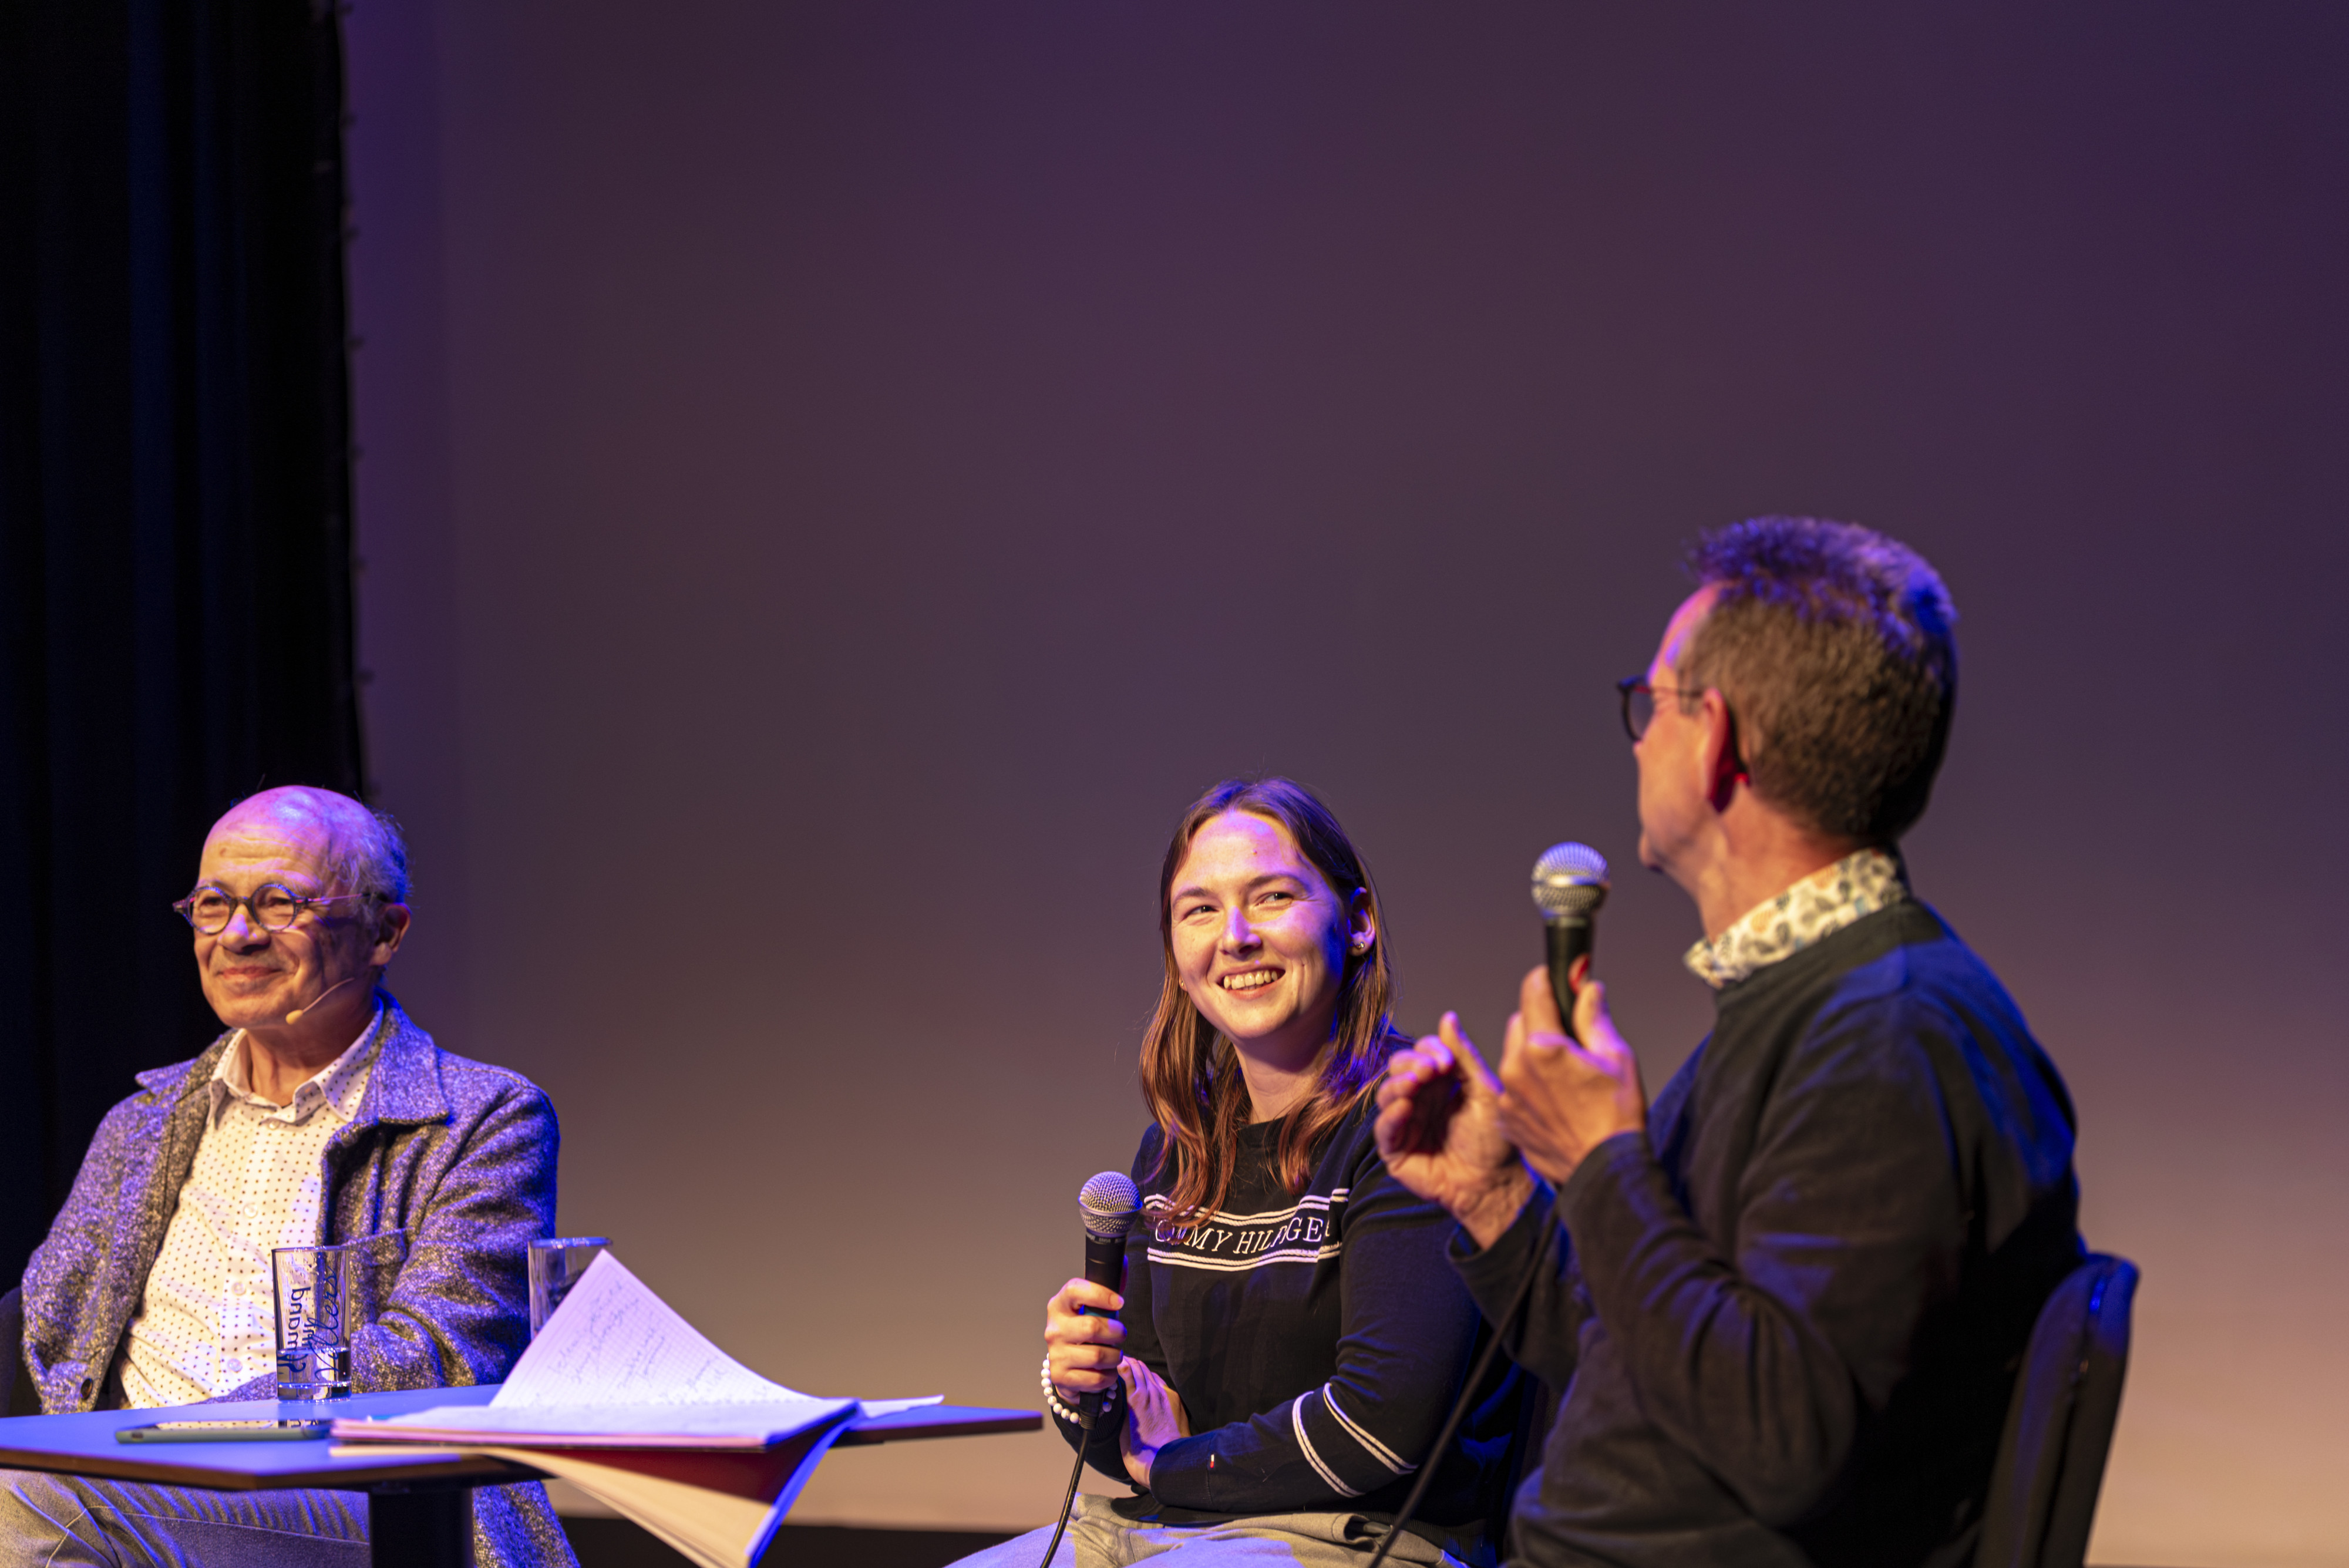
{"x":1067,"y":1504}
{"x":1459,"y":1410}
{"x":1076,"y":1474}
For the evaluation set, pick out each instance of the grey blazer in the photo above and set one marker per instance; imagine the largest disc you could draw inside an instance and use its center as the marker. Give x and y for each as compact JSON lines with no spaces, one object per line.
{"x":446,"y":1174}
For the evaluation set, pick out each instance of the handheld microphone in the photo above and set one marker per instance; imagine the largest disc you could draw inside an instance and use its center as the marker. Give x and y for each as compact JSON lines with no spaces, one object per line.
{"x":1569,"y":884}
{"x":296,"y":1016}
{"x":1108,"y":1204}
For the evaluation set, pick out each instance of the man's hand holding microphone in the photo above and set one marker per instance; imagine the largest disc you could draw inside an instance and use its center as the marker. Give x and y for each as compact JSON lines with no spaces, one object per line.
{"x":1556,"y":1098}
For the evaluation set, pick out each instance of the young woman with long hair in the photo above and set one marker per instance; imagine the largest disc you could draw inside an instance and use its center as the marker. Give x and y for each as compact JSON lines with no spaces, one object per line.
{"x":1291,"y":1336}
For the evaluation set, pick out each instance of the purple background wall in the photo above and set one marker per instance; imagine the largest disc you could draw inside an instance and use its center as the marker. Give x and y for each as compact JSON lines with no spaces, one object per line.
{"x":838,"y":478}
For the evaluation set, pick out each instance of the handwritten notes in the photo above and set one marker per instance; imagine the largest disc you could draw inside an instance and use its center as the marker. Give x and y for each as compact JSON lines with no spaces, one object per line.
{"x":616,"y":1366}
{"x":613,"y":1342}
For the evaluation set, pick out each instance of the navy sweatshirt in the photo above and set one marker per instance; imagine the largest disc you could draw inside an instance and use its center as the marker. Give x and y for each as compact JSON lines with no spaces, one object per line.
{"x":1318,"y":1343}
{"x":1787,"y":1320}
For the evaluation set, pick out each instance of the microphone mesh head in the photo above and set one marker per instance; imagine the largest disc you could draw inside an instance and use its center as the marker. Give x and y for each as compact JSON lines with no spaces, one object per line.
{"x":1569,"y":882}
{"x":1108,"y":1204}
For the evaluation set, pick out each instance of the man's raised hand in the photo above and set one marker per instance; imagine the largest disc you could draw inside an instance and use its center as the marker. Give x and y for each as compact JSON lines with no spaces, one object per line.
{"x":1476,"y":1173}
{"x":1561,"y":1099}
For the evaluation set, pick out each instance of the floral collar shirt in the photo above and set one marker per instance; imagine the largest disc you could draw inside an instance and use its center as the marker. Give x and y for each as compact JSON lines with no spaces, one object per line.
{"x":1818,"y":905}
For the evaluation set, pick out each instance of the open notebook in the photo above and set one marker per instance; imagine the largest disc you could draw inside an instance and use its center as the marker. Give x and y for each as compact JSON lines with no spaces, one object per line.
{"x":624,"y":1398}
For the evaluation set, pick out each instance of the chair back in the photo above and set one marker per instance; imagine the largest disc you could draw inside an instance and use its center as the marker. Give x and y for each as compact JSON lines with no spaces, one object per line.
{"x":2051,"y":1459}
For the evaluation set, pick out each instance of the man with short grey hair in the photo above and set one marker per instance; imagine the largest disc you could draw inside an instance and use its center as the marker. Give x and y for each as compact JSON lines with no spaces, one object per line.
{"x":322,"y":1116}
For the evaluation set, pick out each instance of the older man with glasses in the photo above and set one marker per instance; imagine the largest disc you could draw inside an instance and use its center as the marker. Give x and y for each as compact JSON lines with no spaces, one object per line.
{"x":322,"y":1115}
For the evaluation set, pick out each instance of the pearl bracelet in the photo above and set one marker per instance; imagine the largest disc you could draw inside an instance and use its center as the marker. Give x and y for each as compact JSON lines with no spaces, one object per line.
{"x":1052,"y":1398}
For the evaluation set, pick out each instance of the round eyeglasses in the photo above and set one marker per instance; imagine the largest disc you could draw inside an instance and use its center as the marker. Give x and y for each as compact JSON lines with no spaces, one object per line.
{"x":270,"y":907}
{"x":1640,"y":702}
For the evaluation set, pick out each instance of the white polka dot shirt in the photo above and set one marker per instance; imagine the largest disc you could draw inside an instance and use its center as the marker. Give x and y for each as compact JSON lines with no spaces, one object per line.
{"x":208,"y":1323}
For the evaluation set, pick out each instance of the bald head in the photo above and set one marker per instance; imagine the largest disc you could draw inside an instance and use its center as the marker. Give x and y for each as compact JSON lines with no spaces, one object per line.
{"x":357,"y":850}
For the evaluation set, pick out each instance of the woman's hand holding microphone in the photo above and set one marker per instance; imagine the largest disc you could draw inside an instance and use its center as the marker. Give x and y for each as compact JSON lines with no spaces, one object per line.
{"x":1082,"y":1349}
{"x":1083,"y":1354}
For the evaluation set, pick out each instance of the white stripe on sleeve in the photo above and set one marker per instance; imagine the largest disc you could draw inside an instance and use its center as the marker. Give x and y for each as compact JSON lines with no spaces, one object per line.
{"x":1378,"y":1451}
{"x":1296,"y":1420}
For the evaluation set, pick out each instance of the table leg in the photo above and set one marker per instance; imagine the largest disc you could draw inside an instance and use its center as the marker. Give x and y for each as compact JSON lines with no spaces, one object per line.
{"x":425,"y":1529}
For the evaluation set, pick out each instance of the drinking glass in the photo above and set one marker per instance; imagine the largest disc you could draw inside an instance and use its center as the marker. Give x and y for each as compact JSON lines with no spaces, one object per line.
{"x":314,"y":1319}
{"x":554,"y":1267}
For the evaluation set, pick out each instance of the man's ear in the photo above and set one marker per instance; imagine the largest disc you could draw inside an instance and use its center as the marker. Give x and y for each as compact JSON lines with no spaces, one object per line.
{"x":1723,"y":768}
{"x":391,"y":929}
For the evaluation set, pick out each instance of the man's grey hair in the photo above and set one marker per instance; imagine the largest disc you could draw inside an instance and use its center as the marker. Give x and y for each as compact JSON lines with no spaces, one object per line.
{"x":371,"y":856}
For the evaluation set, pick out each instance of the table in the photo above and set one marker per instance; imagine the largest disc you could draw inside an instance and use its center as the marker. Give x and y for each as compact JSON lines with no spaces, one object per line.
{"x":420,"y":1510}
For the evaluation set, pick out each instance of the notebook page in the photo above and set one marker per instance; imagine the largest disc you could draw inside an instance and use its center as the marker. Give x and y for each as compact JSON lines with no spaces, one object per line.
{"x":613,"y":1342}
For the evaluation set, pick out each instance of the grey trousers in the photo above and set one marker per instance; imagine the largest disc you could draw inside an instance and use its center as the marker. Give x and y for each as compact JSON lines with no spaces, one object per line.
{"x":50,"y":1521}
{"x":1098,"y":1538}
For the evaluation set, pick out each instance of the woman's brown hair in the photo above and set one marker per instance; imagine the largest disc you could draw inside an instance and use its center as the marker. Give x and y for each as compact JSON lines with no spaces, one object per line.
{"x":1191,"y":1073}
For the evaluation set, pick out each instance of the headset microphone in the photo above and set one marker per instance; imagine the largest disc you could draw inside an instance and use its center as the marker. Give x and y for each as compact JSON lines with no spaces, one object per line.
{"x":296,"y":1016}
{"x":1569,"y":884}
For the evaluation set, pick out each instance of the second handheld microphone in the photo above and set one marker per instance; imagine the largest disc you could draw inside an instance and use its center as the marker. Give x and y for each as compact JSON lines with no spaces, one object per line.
{"x":1569,"y":884}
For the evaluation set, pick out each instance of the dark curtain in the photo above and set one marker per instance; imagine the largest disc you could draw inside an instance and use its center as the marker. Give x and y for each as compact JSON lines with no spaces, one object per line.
{"x":175,"y":565}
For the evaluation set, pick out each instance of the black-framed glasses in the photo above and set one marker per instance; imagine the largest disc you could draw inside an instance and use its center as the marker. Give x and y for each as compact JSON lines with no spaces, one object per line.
{"x":1640,"y":702}
{"x":271,"y":906}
